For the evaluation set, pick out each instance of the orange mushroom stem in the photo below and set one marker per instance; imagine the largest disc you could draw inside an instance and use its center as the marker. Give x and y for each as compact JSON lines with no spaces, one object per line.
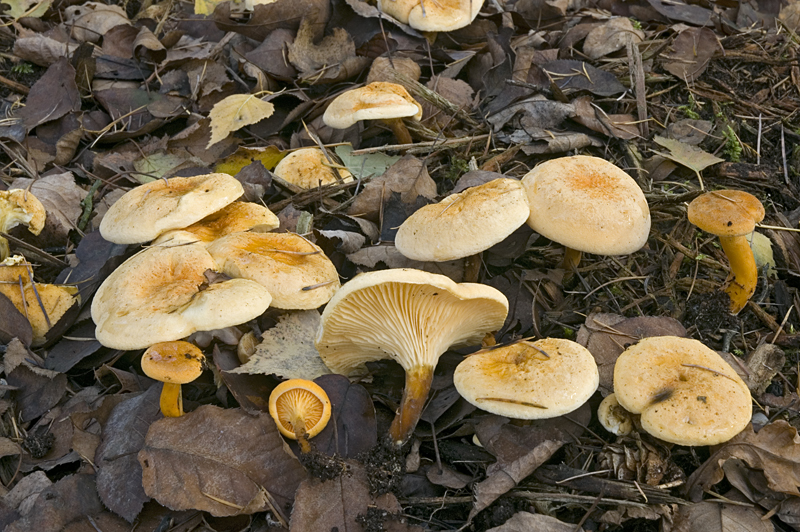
{"x":418,"y":384}
{"x":572,"y":257}
{"x":742,"y":281}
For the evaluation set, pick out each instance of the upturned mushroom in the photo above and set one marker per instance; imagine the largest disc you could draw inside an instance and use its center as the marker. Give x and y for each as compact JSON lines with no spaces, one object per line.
{"x":685,"y":392}
{"x":588,"y":205}
{"x":148,"y":210}
{"x":173,"y":363}
{"x":162,"y":294}
{"x":613,"y":417}
{"x":307,"y":168}
{"x":732,"y":215}
{"x":529,"y":380}
{"x":301,"y":409}
{"x":464,"y":224}
{"x":380,"y":100}
{"x":411,"y":317}
{"x":19,"y":207}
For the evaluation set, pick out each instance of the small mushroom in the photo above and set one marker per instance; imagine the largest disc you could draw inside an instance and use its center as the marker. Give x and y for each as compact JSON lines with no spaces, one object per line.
{"x":685,"y":392}
{"x":173,"y":363}
{"x":732,"y":215}
{"x":380,"y":100}
{"x":588,"y":205}
{"x":19,"y":207}
{"x":301,"y":409}
{"x":307,"y":168}
{"x":529,"y":380}
{"x":412,"y":317}
{"x":148,"y":210}
{"x":613,"y":417}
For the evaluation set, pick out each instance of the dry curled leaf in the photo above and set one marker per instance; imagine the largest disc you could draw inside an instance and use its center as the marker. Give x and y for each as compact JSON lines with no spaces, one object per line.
{"x":224,"y":462}
{"x":716,"y":517}
{"x":235,"y":112}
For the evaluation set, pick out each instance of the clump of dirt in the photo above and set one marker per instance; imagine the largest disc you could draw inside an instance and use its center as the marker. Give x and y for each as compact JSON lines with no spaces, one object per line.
{"x":709,"y":312}
{"x":322,"y":466}
{"x":385,"y":466}
{"x":374,"y":519}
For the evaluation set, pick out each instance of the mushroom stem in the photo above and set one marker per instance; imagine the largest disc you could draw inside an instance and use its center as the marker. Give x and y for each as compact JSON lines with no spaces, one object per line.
{"x":399,"y":129}
{"x":743,"y":278}
{"x":418,"y":384}
{"x":171,"y":400}
{"x":572,"y":257}
{"x":299,"y":427}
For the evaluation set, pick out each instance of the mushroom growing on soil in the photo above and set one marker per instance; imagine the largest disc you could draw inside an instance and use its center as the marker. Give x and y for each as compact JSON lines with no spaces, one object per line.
{"x":411,"y":317}
{"x":433,"y":15}
{"x":732,"y":215}
{"x":529,"y":380}
{"x":301,"y":409}
{"x":146,"y":211}
{"x":588,"y":205}
{"x":173,"y":363}
{"x":307,"y":168}
{"x":19,"y":207}
{"x":163,"y":294}
{"x":464,"y":224}
{"x":685,"y":392}
{"x":380,"y":100}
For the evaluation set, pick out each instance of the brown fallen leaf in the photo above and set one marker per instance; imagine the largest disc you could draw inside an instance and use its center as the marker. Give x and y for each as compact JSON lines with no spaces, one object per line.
{"x":775,"y":450}
{"x":610,"y":36}
{"x":224,"y":462}
{"x":353,"y":428}
{"x":89,"y":21}
{"x":717,"y":517}
{"x":333,"y":59}
{"x":41,"y":49}
{"x":54,"y":95}
{"x":691,"y":52}
{"x":528,"y":522}
{"x":71,"y":498}
{"x":61,"y":198}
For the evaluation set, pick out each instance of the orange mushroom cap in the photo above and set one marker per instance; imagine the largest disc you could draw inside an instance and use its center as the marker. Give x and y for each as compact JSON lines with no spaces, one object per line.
{"x":299,"y":400}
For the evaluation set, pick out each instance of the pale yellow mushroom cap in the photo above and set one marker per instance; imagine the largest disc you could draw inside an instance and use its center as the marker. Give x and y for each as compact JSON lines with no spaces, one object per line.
{"x":685,"y":392}
{"x":148,"y":210}
{"x":464,"y":224}
{"x":161,"y":294}
{"x":21,"y":207}
{"x":233,"y":218}
{"x":299,"y":400}
{"x":307,"y":168}
{"x":297,"y":274}
{"x":587,"y":204}
{"x":376,"y":101}
{"x":529,"y":380}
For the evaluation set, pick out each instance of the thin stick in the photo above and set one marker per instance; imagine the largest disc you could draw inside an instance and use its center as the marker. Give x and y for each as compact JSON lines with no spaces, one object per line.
{"x":758,"y":142}
{"x":783,"y":156}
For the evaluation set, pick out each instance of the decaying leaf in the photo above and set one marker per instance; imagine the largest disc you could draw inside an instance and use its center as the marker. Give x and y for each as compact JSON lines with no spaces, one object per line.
{"x":61,"y":198}
{"x":364,"y":166}
{"x":235,"y":112}
{"x":775,"y":450}
{"x":689,"y":156}
{"x":611,"y":36}
{"x":72,"y":498}
{"x":333,"y":59}
{"x":53,"y":96}
{"x":528,"y":522}
{"x":26,"y":8}
{"x":353,"y":428}
{"x":716,"y":517}
{"x":222,"y":461}
{"x":691,"y":52}
{"x":89,"y":21}
{"x":287,"y":349}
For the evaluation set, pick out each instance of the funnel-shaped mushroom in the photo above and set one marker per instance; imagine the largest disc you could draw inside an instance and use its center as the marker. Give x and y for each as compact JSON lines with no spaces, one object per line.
{"x":412,"y":317}
{"x":173,"y":363}
{"x":301,"y":409}
{"x":19,"y":207}
{"x":732,"y":215}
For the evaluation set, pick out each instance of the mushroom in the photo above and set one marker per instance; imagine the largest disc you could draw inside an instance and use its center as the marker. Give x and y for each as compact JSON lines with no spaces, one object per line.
{"x":301,"y":409}
{"x":732,"y":215}
{"x":433,"y":15}
{"x":42,"y":304}
{"x":297,"y":274}
{"x":19,"y":207}
{"x":685,"y":392}
{"x":588,"y":205}
{"x":308,"y":168}
{"x":412,"y":317}
{"x":613,"y":417}
{"x":464,"y":224}
{"x":162,"y":294}
{"x":148,"y":210}
{"x":173,"y":363}
{"x":380,"y":100}
{"x":233,"y":218}
{"x":529,"y":380}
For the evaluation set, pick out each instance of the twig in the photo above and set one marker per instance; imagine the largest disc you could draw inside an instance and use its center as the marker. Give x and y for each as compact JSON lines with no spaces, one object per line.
{"x":783,"y":156}
{"x":420,"y":147}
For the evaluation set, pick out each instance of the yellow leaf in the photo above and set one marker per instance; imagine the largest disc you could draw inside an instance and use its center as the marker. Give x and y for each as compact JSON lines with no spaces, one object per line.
{"x":236,"y":112}
{"x":269,"y":157}
{"x":26,"y":8}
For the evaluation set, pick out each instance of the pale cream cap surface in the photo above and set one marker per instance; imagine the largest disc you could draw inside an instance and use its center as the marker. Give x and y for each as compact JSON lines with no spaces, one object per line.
{"x":685,"y":392}
{"x":233,"y":218}
{"x":529,"y":380}
{"x":408,"y":315}
{"x":307,"y":168}
{"x":464,"y":224}
{"x":297,"y":274}
{"x":160,"y":294}
{"x":444,"y":15}
{"x":380,"y":100}
{"x":587,"y":204}
{"x":148,"y":210}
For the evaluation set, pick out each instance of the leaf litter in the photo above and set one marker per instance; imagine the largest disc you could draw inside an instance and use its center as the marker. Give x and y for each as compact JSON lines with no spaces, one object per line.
{"x":103,"y":96}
